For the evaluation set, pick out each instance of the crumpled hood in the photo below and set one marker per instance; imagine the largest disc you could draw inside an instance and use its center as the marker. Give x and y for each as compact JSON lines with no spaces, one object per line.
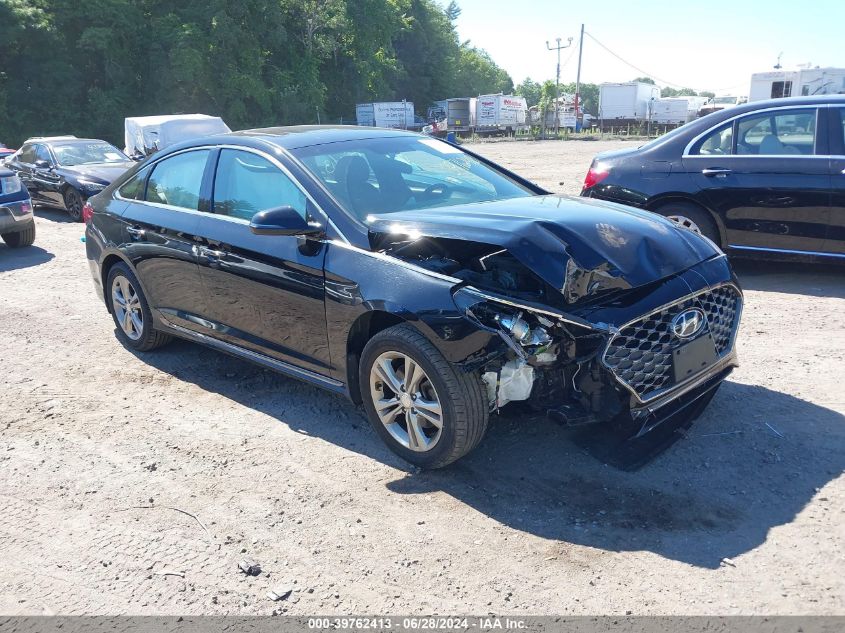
{"x":104,"y":172}
{"x":578,"y":245}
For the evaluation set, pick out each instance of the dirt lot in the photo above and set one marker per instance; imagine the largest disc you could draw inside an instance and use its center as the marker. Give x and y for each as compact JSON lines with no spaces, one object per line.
{"x":103,"y":454}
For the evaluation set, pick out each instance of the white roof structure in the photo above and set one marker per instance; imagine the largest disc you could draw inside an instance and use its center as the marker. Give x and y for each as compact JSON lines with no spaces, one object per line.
{"x":147,"y":134}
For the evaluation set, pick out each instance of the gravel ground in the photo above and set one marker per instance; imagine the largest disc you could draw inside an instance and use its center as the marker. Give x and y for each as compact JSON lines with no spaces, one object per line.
{"x":134,"y":484}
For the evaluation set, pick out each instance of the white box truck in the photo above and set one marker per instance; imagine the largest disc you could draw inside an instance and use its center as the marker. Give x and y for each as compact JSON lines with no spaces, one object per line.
{"x":797,"y":83}
{"x":393,"y":114}
{"x":626,"y":102}
{"x":498,"y":113}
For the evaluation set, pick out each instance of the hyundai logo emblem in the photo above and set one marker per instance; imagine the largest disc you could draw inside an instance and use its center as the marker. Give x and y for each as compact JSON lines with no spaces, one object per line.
{"x":688,"y":323}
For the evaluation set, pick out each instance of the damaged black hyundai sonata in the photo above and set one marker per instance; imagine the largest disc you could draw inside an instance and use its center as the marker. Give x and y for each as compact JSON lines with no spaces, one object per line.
{"x":417,"y":278}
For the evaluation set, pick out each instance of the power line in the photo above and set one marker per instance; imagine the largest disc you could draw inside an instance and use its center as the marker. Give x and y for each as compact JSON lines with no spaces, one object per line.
{"x":637,"y":68}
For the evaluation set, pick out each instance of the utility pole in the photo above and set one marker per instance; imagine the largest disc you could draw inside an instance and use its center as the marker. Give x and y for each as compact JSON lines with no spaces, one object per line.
{"x":578,"y":76}
{"x":557,"y":48}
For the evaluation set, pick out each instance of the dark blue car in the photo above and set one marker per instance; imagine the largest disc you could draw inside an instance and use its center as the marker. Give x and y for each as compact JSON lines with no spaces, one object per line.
{"x":17,"y":225}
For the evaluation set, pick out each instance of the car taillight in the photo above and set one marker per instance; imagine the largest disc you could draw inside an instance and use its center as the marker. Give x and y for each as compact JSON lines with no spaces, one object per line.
{"x":87,"y":212}
{"x":595,"y":175}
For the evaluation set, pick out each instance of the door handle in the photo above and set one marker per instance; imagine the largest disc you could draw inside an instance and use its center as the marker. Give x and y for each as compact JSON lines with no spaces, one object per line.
{"x":210,"y":253}
{"x":710,"y":172}
{"x":136,"y":233}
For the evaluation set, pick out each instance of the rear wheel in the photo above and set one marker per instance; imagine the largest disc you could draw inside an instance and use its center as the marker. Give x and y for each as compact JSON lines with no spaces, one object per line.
{"x":131,"y":312}
{"x":425,"y":409}
{"x":691,"y":217}
{"x":21,"y":238}
{"x":74,"y":204}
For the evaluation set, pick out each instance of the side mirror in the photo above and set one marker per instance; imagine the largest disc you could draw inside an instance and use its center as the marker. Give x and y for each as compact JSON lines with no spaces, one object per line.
{"x":43,"y":164}
{"x":282,"y":221}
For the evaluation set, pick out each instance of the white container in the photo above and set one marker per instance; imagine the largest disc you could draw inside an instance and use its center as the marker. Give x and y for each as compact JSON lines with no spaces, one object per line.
{"x":145,"y":135}
{"x":796,"y":83}
{"x":670,"y":111}
{"x":626,"y":101}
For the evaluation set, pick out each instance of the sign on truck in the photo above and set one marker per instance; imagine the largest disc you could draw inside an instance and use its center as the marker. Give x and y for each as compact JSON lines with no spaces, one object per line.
{"x":392,"y":114}
{"x":499,"y":112}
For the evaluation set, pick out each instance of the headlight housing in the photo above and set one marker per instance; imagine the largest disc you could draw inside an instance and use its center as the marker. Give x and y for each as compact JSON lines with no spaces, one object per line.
{"x":92,"y":186}
{"x":10,"y":184}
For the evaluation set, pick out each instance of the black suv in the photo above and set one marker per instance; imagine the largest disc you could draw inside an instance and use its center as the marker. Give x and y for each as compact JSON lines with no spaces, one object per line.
{"x":761,"y":179}
{"x":64,"y":171}
{"x":415,"y":277}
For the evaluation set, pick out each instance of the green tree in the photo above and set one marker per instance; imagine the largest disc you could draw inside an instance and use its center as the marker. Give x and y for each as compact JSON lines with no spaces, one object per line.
{"x":530,"y":90}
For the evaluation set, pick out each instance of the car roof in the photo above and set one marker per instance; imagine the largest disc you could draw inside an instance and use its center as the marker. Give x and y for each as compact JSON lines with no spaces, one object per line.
{"x":64,"y":140}
{"x":295,"y":136}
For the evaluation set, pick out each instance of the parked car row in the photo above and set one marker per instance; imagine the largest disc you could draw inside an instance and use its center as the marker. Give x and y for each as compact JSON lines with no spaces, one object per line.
{"x":17,"y":225}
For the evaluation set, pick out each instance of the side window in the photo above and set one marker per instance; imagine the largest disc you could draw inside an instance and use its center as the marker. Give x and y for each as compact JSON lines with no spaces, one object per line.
{"x":27,"y":154}
{"x":42,"y":153}
{"x":719,"y":142}
{"x":133,"y":189}
{"x":842,"y":127}
{"x":786,"y":133}
{"x":177,"y":181}
{"x":247,"y":183}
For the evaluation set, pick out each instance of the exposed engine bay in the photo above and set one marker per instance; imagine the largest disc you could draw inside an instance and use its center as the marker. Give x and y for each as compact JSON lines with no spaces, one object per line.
{"x":551,"y":364}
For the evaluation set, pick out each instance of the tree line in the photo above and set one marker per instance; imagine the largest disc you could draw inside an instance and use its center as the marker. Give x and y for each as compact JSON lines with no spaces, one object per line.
{"x":81,"y":66}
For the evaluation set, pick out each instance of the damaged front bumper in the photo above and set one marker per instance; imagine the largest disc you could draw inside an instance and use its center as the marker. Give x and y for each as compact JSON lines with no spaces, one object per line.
{"x":579,"y":370}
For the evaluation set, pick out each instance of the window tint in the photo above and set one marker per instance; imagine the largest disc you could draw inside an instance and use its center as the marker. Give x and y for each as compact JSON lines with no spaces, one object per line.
{"x":27,"y":154}
{"x":247,"y":183}
{"x":785,"y":133}
{"x":719,"y":142}
{"x":177,"y":180}
{"x":134,"y":189}
{"x":42,"y":153}
{"x":842,"y":126}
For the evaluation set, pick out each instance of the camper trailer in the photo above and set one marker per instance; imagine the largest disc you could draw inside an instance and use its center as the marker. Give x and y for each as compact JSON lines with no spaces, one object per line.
{"x":797,"y":83}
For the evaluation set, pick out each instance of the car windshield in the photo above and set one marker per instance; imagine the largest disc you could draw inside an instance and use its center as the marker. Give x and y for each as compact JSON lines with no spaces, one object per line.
{"x":70,"y":154}
{"x":386,"y":175}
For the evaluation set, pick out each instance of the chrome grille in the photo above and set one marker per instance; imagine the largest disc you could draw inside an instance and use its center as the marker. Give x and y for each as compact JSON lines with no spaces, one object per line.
{"x":641,"y":354}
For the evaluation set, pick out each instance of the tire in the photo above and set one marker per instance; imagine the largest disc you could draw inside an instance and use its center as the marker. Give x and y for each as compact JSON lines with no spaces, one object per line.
{"x":463,"y":413}
{"x":692,"y":217}
{"x":20,"y":239}
{"x":135,"y":330}
{"x":73,"y":204}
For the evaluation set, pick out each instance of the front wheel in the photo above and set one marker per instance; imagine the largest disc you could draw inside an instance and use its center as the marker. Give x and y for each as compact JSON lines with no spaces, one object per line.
{"x":74,"y":204}
{"x":426,"y":410}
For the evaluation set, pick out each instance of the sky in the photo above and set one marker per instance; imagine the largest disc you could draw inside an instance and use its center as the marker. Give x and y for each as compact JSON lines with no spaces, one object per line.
{"x":713,"y":45}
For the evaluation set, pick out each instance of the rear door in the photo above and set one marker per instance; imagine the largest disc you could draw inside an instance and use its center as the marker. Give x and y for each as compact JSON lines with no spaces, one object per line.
{"x":159,"y":232}
{"x":836,"y":230}
{"x":264,"y":293}
{"x":766,"y":175}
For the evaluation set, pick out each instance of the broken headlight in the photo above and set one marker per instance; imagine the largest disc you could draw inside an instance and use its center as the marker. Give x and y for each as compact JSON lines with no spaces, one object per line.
{"x":525,"y":331}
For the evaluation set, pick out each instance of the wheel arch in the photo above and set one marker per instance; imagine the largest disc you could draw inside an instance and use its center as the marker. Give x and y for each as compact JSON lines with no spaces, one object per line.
{"x":667,"y":198}
{"x":364,"y":328}
{"x":106,"y":265}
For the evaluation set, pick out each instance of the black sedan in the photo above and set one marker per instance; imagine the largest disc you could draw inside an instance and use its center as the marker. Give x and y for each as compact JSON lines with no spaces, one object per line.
{"x":64,"y":171}
{"x":416,"y":278}
{"x":762,"y":179}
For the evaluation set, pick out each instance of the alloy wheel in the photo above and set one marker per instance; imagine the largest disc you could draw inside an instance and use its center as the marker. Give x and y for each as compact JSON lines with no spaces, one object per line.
{"x":406,"y":402}
{"x":73,"y":203}
{"x":127,"y":307}
{"x":685,"y":222}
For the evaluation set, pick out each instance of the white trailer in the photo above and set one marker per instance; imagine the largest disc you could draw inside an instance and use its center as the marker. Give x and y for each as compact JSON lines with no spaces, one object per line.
{"x":626,"y":102}
{"x":145,"y":135}
{"x":797,"y":83}
{"x":670,"y":111}
{"x":392,"y":114}
{"x":499,"y":112}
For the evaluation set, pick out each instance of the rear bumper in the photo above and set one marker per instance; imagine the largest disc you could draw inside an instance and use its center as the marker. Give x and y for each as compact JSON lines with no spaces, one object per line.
{"x":15,"y":216}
